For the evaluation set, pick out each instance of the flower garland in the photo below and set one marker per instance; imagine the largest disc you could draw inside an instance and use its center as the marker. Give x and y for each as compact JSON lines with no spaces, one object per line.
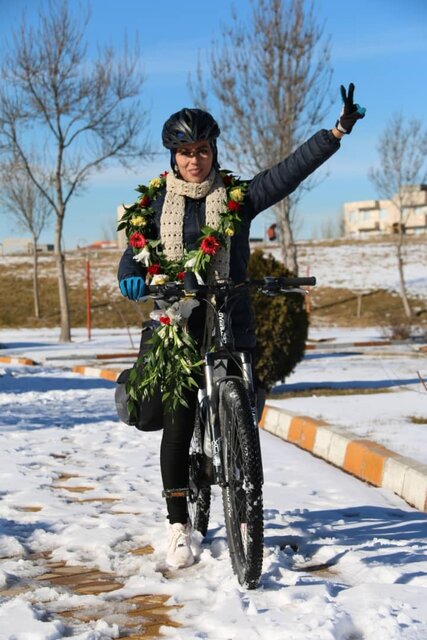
{"x":138,"y":222}
{"x":173,"y":360}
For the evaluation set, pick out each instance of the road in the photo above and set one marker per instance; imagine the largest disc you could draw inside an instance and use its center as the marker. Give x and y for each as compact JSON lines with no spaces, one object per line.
{"x":82,"y":536}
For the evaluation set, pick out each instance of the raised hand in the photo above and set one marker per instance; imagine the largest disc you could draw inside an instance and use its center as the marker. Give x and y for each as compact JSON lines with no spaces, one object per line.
{"x":350,"y":112}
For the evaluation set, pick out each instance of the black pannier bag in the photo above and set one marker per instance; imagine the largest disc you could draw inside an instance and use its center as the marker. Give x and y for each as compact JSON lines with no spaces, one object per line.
{"x":148,"y":414}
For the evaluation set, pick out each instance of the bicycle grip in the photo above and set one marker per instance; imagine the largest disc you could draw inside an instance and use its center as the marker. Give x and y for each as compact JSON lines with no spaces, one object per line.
{"x":309,"y":281}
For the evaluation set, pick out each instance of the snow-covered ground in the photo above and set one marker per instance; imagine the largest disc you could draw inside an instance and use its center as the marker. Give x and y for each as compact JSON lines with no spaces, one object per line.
{"x":343,"y":560}
{"x":356,"y":265}
{"x":364,"y":267}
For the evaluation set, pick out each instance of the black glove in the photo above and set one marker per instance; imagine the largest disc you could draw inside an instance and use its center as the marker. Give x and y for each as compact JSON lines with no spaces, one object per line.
{"x":350,"y":112}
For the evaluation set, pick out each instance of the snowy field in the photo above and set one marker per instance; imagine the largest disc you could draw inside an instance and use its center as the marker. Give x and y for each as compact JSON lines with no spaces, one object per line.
{"x":355,"y":265}
{"x":366,"y":266}
{"x":343,"y":560}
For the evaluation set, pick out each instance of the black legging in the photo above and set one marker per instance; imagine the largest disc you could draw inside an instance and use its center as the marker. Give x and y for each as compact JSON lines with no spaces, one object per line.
{"x":174,"y":453}
{"x":178,"y":429}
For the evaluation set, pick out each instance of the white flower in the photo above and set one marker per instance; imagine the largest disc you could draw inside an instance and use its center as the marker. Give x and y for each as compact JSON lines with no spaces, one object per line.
{"x":160,"y":278}
{"x":186,"y":307}
{"x":178,"y":312}
{"x":190,"y":263}
{"x":174,"y":313}
{"x":143,"y":256}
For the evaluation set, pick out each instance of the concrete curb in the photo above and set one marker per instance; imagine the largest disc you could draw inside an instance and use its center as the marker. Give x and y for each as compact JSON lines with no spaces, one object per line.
{"x":16,"y":360}
{"x":336,"y":346}
{"x":96,"y":372}
{"x":362,"y":458}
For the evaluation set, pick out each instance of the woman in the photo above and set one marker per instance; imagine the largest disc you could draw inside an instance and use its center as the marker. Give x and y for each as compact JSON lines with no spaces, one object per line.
{"x":188,"y":205}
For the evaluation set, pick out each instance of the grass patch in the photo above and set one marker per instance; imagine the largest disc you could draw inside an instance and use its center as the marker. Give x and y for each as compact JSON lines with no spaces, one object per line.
{"x":108,"y":307}
{"x":329,"y":306}
{"x":342,"y":307}
{"x":418,"y":420}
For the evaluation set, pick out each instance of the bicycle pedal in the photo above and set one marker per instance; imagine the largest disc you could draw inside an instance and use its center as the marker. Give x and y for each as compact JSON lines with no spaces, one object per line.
{"x":175,"y":493}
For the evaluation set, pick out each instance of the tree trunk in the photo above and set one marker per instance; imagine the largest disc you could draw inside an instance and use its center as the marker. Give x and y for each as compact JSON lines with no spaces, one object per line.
{"x":35,"y":280}
{"x":287,"y":242}
{"x":65,"y":335}
{"x":403,"y":292}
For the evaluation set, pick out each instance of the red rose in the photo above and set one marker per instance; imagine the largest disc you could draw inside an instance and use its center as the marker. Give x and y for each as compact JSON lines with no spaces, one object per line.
{"x":180,"y":275}
{"x":164,"y":320}
{"x":164,"y":174}
{"x":137,"y":240}
{"x":154,"y":269}
{"x":144,"y":202}
{"x":210,"y":245}
{"x":232,"y":205}
{"x":227,"y":180}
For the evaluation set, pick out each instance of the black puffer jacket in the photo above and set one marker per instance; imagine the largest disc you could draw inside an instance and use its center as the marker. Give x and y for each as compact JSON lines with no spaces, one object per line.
{"x":265,"y":189}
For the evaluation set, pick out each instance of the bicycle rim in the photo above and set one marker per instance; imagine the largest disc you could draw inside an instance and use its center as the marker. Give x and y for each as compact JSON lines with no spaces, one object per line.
{"x":242,"y":495}
{"x":199,"y":498}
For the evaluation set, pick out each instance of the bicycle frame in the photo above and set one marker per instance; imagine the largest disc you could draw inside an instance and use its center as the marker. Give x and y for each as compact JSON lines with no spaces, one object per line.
{"x":213,"y":360}
{"x":212,"y":388}
{"x":226,"y":448}
{"x":224,"y":349}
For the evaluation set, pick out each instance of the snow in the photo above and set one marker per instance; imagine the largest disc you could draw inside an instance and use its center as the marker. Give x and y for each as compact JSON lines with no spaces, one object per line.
{"x":356,"y":265}
{"x":399,"y":371}
{"x":343,"y":560}
{"x":364,"y":266}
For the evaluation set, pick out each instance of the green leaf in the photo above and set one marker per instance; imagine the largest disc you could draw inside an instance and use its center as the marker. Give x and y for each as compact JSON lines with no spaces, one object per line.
{"x":208,"y":231}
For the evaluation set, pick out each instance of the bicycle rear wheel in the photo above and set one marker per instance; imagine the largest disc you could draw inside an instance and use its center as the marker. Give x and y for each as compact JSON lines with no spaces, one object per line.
{"x":199,"y":498}
{"x":242,"y":495}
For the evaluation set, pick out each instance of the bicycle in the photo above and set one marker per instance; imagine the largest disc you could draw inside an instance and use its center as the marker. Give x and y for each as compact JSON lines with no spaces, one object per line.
{"x":225,"y":448}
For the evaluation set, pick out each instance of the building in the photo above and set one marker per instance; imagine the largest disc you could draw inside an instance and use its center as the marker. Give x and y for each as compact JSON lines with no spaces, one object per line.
{"x":11,"y":246}
{"x":378,"y":217}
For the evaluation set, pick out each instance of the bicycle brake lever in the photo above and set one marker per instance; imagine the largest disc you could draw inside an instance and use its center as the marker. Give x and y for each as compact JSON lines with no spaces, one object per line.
{"x":300,"y":290}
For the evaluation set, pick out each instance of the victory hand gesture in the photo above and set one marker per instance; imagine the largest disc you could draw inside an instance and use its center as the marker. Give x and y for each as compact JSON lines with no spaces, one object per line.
{"x":350,"y":112}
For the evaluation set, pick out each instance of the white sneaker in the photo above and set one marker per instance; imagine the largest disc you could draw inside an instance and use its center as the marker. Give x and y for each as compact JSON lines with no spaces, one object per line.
{"x":179,"y":553}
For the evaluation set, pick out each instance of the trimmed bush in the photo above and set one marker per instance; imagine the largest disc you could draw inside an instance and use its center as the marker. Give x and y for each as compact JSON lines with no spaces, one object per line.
{"x":282,"y":325}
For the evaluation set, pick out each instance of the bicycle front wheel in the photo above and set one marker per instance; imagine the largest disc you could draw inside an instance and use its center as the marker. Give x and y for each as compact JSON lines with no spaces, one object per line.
{"x":199,"y":496}
{"x":242,"y":494}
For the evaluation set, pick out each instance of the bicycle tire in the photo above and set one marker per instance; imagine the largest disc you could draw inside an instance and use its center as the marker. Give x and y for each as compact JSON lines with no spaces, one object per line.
{"x":242,"y":494}
{"x":199,"y":497}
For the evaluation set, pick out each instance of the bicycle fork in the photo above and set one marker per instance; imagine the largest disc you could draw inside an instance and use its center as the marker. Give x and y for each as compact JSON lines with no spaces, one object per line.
{"x":213,"y":448}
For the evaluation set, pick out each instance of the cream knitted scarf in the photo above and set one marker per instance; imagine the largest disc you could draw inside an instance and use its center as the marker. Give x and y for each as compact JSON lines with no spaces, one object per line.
{"x":172,"y":219}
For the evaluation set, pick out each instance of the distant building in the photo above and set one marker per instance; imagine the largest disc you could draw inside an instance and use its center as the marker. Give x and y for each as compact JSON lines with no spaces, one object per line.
{"x":10,"y":246}
{"x":99,"y":245}
{"x":375,"y":217}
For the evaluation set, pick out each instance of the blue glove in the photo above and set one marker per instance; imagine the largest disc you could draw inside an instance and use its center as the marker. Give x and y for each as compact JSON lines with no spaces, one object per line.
{"x":133,"y":287}
{"x":351,"y":112}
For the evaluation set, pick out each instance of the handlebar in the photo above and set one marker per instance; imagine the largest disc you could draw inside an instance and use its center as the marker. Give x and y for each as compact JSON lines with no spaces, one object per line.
{"x":269,"y":285}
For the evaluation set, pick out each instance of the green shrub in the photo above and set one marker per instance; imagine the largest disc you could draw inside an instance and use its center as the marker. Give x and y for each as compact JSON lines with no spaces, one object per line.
{"x":282,"y":325}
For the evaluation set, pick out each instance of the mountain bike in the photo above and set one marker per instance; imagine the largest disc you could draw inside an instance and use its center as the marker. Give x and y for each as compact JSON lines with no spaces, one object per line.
{"x":225,"y":448}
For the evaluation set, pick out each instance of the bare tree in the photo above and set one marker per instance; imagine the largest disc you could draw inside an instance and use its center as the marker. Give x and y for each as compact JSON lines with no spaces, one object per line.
{"x":402,"y":150}
{"x":272,"y":79}
{"x":23,"y":201}
{"x":79,"y":113}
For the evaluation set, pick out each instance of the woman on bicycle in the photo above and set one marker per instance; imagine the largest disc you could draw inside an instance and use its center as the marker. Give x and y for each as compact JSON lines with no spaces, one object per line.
{"x":193,"y":197}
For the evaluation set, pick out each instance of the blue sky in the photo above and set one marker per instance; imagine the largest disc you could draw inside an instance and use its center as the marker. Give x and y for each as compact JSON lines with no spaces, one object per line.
{"x":380,"y":45}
